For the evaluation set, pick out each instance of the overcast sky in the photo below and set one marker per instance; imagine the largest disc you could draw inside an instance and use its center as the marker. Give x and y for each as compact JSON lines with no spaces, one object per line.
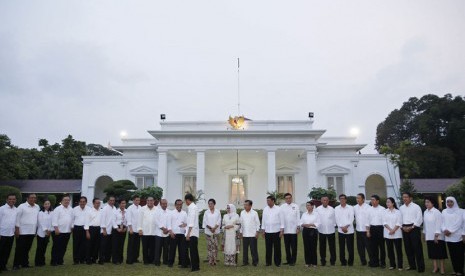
{"x":95,"y":68}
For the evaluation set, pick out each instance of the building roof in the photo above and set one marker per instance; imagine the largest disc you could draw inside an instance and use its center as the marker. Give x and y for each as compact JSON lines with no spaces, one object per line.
{"x":45,"y":186}
{"x":433,"y":185}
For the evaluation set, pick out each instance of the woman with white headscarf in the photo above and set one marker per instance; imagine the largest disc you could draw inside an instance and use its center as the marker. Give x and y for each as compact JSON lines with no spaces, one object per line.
{"x":231,"y":242}
{"x":452,"y":227}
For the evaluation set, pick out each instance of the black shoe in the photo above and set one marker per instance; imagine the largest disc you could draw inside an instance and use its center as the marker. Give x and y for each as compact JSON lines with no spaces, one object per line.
{"x":15,"y":267}
{"x":100,"y":262}
{"x":26,"y":266}
{"x":278,"y":265}
{"x":268,"y":265}
{"x":293,"y":264}
{"x":170,"y":265}
{"x":254,"y":264}
{"x":411,"y":268}
{"x":286,"y":263}
{"x":195,"y":269}
{"x":364,"y":263}
{"x":245,"y":265}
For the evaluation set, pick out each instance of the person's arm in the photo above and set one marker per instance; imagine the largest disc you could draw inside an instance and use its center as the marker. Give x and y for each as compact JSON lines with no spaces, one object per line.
{"x":104,"y":220}
{"x":55,"y":216}
{"x":129,"y":218}
{"x":19,"y":213}
{"x":140,"y":222}
{"x":204,"y":220}
{"x":281,"y":219}
{"x":190,"y":223}
{"x":419,"y":217}
{"x":218,"y":221}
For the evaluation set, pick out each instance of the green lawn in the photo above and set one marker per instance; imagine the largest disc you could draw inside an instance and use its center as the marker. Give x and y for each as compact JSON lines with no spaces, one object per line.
{"x":139,"y":269}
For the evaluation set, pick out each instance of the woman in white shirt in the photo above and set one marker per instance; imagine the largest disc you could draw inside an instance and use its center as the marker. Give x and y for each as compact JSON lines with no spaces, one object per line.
{"x":434,"y":237}
{"x":392,"y":222}
{"x":452,"y":222}
{"x":310,"y":221}
{"x":44,"y":228}
{"x":231,"y":242}
{"x":212,"y":223}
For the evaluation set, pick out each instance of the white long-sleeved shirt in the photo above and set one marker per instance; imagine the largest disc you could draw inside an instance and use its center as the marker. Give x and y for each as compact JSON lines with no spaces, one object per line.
{"x":411,"y":214}
{"x":193,"y":220}
{"x":133,"y":216}
{"x":26,"y":218}
{"x":120,"y":218}
{"x":392,"y":218}
{"x":44,"y":223}
{"x":310,"y":218}
{"x":147,"y":220}
{"x":452,"y":222}
{"x":250,"y":223}
{"x":291,"y":215}
{"x":327,"y":220}
{"x":272,"y":219}
{"x":344,"y":217}
{"x":107,"y":218}
{"x":361,"y":215}
{"x":7,"y":220}
{"x":162,"y":220}
{"x":62,"y":218}
{"x":93,"y":218}
{"x":375,"y":216}
{"x":80,"y":215}
{"x":178,"y":218}
{"x":212,"y":220}
{"x":432,"y":221}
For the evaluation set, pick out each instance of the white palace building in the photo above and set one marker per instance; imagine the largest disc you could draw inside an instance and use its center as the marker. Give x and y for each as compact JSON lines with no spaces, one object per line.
{"x":232,"y":165}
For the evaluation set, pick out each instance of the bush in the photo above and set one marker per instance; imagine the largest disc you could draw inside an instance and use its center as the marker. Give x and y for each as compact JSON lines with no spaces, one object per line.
{"x":154,"y":191}
{"x":458,"y":191}
{"x":6,"y":190}
{"x":121,"y":189}
{"x":51,"y":198}
{"x":318,"y":193}
{"x":352,"y":200}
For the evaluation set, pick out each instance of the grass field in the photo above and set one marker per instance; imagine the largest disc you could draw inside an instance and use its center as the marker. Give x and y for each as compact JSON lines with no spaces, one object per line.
{"x":139,"y":269}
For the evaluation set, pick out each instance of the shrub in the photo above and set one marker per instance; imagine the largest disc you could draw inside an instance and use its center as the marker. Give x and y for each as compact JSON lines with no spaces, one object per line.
{"x":42,"y":198}
{"x":121,"y":189}
{"x":6,"y":190}
{"x":154,"y":191}
{"x":318,"y":193}
{"x":458,"y":191}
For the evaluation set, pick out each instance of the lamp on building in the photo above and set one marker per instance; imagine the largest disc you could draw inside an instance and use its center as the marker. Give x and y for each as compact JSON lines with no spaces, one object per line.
{"x":237,"y":179}
{"x":311,"y":115}
{"x":162,"y":117}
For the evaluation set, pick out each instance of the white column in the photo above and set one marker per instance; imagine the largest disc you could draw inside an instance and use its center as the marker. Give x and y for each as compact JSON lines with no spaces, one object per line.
{"x":163,"y":172}
{"x":271,"y":171}
{"x":311,"y":169}
{"x":200,"y":175}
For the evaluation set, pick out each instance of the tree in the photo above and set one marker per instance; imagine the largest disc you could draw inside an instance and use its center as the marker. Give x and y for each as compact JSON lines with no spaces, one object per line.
{"x":99,"y":150}
{"x":458,"y":191}
{"x":121,"y":189}
{"x":6,"y":190}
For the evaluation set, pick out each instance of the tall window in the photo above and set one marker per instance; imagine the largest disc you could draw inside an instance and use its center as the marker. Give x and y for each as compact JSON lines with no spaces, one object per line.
{"x":285,"y":184}
{"x":238,"y":189}
{"x":337,"y":183}
{"x":189,"y":184}
{"x":144,"y":181}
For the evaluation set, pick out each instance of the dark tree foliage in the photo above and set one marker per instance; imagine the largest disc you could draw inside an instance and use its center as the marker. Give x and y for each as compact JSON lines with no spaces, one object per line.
{"x":121,"y":189}
{"x":434,"y":128}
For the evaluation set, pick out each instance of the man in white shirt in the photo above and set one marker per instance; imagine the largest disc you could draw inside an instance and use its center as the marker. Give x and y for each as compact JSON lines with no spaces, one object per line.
{"x":146,"y":230}
{"x":118,"y":235}
{"x":375,"y":234}
{"x":178,"y":235}
{"x":26,"y":227}
{"x":273,"y":231}
{"x":107,"y":220}
{"x":291,"y":214}
{"x":162,"y":225}
{"x":92,"y":228}
{"x":7,"y":229}
{"x":80,"y":216}
{"x":250,"y":227}
{"x":192,"y":234}
{"x":361,"y":212}
{"x":412,"y":219}
{"x":327,"y":231}
{"x":62,"y":222}
{"x":345,"y":226}
{"x":133,"y":236}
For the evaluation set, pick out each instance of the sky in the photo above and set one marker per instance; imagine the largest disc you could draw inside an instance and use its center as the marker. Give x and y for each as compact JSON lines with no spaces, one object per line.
{"x":95,"y":68}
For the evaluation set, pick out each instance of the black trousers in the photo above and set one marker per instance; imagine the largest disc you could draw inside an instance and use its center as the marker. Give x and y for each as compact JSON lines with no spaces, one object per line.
{"x":105,"y":248}
{"x":332,"y":248}
{"x":133,"y":248}
{"x":376,"y":249}
{"x":148,"y":249}
{"x":162,"y":245}
{"x":40,"y":250}
{"x":456,"y":250}
{"x":6,"y":243}
{"x":290,"y":245}
{"x":60,"y":243}
{"x":310,"y":237}
{"x":414,"y":249}
{"x":252,"y":243}
{"x":178,"y":242}
{"x":349,"y":240}
{"x":390,"y":244}
{"x":193,"y":245}
{"x":362,"y":246}
{"x":79,"y":244}
{"x":273,"y":243}
{"x":117,"y":248}
{"x":23,"y":246}
{"x":93,"y":244}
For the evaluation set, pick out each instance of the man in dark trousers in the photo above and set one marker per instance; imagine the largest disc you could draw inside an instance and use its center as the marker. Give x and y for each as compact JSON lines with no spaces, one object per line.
{"x":162,"y":220}
{"x":80,"y":217}
{"x":92,"y":229}
{"x":107,"y":221}
{"x":192,"y":234}
{"x":133,"y":213}
{"x":273,"y":231}
{"x":7,"y":229}
{"x":177,"y":235}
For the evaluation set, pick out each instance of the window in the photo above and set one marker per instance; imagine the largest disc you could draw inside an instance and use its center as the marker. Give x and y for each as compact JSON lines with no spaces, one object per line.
{"x":144,"y":181}
{"x":189,"y":184}
{"x":337,"y":183}
{"x":285,"y":184}
{"x":238,"y":189}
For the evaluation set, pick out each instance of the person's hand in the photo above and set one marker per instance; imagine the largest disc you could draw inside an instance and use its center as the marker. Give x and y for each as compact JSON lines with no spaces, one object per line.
{"x":87,"y":235}
{"x":17,"y":232}
{"x":182,"y":225}
{"x":57,"y":232}
{"x":47,"y":233}
{"x":391,"y":232}
{"x":104,"y":232}
{"x":172,"y":235}
{"x":298,"y":231}
{"x":263,"y":234}
{"x":256,"y":235}
{"x":140,"y":232}
{"x":447,"y":233}
{"x":188,"y":237}
{"x":281,"y":234}
{"x":368,"y":234}
{"x":131,"y":231}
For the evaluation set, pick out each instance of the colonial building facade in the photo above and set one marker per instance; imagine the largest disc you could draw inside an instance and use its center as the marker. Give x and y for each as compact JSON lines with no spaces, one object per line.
{"x":232,"y":165}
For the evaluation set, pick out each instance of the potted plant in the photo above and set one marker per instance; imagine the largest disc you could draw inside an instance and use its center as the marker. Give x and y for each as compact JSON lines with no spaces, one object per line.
{"x":278,"y":196}
{"x":198,"y":195}
{"x":316,"y":194}
{"x":154,"y":191}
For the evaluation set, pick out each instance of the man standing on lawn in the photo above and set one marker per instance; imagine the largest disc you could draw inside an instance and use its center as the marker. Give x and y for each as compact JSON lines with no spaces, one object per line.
{"x":273,"y":231}
{"x":192,"y":234}
{"x":7,"y":229}
{"x":291,"y":214}
{"x":327,"y":231}
{"x":80,"y":242}
{"x":345,"y":225}
{"x":133,"y":237}
{"x":361,"y":213}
